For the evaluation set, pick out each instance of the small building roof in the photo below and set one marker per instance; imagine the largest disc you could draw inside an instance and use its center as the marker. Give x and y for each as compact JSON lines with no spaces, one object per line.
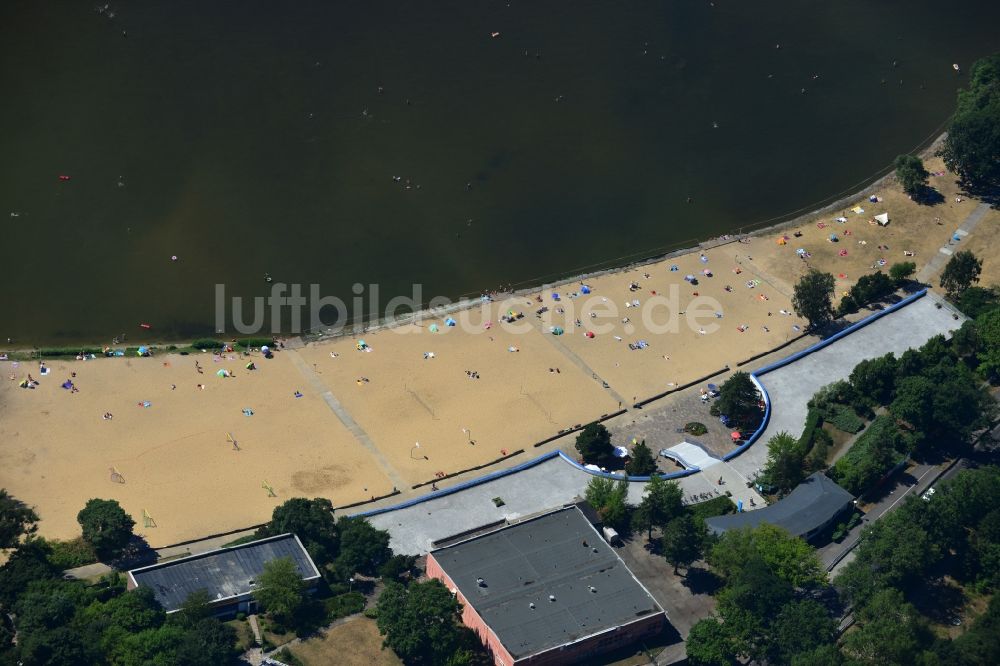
{"x":557,"y":562}
{"x":813,"y":504}
{"x":226,"y":573}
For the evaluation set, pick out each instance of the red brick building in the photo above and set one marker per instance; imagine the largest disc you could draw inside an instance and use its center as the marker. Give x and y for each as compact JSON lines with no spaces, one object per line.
{"x":547,"y":591}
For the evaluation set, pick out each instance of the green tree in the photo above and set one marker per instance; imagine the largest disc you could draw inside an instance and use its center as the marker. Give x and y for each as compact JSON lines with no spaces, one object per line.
{"x":16,"y":520}
{"x":783,"y":468}
{"x":195,"y":608}
{"x":914,"y":402}
{"x":54,"y":647}
{"x":824,"y":655}
{"x":28,"y":563}
{"x":890,"y":631}
{"x":975,"y":301}
{"x":911,"y":174}
{"x":740,"y":401}
{"x":279,"y":589}
{"x":972,"y":147}
{"x":981,"y":644}
{"x":397,"y":566}
{"x":208,"y":643}
{"x":709,"y":644}
{"x":682,"y":541}
{"x":988,"y":330}
{"x":893,"y":552}
{"x":662,"y":501}
{"x":106,"y":527}
{"x":312,"y":521}
{"x":363,"y":548}
{"x":594,"y":445}
{"x":960,"y":272}
{"x":420,"y":623}
{"x":875,"y":378}
{"x":610,"y":499}
{"x":641,"y":463}
{"x":150,"y":647}
{"x":790,"y":558}
{"x":902,"y":271}
{"x":812,"y":298}
{"x":800,"y":628}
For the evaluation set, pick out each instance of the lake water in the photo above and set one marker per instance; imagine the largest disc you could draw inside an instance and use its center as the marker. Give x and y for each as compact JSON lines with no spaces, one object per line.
{"x":251,"y":138}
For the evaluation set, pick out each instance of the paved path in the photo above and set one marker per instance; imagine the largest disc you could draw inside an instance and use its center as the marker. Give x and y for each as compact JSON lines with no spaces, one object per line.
{"x":791,"y":387}
{"x":932,"y":267}
{"x":346,"y":418}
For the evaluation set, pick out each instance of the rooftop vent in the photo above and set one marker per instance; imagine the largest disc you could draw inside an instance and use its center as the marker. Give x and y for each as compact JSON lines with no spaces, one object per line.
{"x":552,"y":597}
{"x":531,"y":605}
{"x":480,"y":582}
{"x":592,"y":589}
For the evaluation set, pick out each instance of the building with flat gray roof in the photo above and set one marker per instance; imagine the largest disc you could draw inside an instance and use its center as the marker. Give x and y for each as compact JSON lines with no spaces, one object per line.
{"x":809,"y":509}
{"x":548,"y":590}
{"x":227,"y":574}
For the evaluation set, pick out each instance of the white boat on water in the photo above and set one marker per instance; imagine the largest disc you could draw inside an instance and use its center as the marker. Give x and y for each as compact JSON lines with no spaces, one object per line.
{"x":955,"y":66}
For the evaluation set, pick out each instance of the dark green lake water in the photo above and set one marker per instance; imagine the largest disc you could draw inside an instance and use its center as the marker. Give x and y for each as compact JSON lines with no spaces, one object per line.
{"x":251,"y":137}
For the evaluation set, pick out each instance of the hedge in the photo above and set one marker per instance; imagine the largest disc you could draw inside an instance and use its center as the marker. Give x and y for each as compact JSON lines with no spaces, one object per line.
{"x":70,"y":554}
{"x":842,"y":417}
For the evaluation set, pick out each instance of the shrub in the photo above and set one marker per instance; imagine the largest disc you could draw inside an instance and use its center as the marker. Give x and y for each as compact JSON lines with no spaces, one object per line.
{"x":343,"y":605}
{"x":874,"y":453}
{"x":695,"y":428}
{"x":207,"y":343}
{"x":844,"y":418}
{"x":717,"y":506}
{"x":71,"y":554}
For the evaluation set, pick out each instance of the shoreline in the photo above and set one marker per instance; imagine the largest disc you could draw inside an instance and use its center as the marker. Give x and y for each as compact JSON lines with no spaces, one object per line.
{"x":468,"y":300}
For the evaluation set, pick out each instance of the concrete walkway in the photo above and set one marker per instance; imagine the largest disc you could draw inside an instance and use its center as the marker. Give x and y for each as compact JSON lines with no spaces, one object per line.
{"x":932,"y":267}
{"x":345,"y":417}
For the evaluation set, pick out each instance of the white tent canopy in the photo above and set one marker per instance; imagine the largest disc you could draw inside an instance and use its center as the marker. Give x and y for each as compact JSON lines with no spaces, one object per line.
{"x":882,"y":218}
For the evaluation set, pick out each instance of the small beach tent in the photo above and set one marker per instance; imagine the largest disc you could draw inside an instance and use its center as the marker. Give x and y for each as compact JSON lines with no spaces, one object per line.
{"x":782,"y":240}
{"x":449,"y":322}
{"x":556,"y":330}
{"x":735,"y":435}
{"x":142,"y":351}
{"x":433,"y":328}
{"x":584,"y":289}
{"x":882,"y":218}
{"x":221,"y":373}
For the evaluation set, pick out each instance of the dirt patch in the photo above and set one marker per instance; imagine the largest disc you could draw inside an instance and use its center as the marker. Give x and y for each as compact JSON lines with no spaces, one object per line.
{"x":327,"y":478}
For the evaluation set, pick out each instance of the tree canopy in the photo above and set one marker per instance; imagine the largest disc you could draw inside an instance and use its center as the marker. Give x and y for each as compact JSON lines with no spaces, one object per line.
{"x":641,"y":462}
{"x":662,"y":501}
{"x":363,"y":548}
{"x":312,"y":520}
{"x":421,"y":623}
{"x":16,"y":520}
{"x":911,"y":174}
{"x":106,"y":527}
{"x":972,"y":147}
{"x":594,"y":445}
{"x":279,"y":589}
{"x":740,"y":401}
{"x":960,"y":272}
{"x":610,"y":499}
{"x":683,"y":539}
{"x":783,"y":468}
{"x":789,"y":558}
{"x":812,"y":298}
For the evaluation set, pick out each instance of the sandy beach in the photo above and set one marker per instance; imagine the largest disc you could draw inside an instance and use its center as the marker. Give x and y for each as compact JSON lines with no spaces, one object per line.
{"x":468,"y":394}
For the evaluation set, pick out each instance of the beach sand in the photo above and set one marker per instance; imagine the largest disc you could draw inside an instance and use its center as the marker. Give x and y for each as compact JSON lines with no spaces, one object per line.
{"x":174,"y":455}
{"x":57,"y":451}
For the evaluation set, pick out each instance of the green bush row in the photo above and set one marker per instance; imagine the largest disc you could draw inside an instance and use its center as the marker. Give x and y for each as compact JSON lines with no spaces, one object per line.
{"x":70,"y":554}
{"x":343,"y":605}
{"x":842,"y":417}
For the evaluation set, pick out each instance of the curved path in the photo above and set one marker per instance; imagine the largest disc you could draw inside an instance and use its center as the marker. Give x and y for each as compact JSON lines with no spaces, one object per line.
{"x":555,"y":479}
